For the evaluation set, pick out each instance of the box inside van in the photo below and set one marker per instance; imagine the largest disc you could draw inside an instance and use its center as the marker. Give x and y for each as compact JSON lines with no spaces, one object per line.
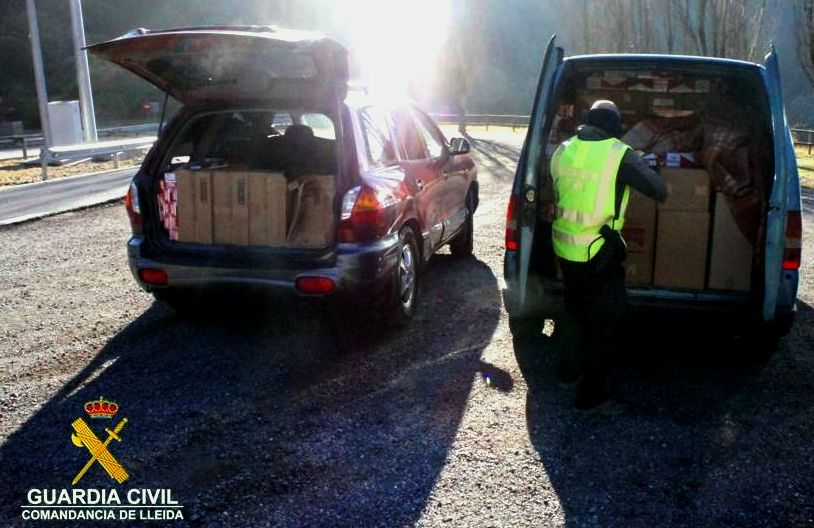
{"x":709,"y":135}
{"x":727,"y":238}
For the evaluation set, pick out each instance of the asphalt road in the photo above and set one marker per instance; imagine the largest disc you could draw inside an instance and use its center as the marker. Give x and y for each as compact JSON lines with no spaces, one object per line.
{"x":34,"y":200}
{"x":260,"y":415}
{"x":12,"y":153}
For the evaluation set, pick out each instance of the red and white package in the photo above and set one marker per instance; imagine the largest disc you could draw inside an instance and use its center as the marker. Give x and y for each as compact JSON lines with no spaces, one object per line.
{"x":168,"y":204}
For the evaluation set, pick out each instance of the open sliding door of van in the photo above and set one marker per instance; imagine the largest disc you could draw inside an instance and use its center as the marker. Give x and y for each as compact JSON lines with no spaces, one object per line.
{"x":532,"y":157}
{"x":776,"y":220}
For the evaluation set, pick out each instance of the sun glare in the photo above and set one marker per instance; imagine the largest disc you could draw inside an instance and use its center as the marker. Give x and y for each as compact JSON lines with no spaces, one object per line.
{"x":395,"y":45}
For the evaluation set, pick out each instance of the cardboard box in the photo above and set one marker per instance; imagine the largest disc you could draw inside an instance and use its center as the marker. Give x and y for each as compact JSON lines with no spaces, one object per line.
{"x":267,"y":208}
{"x":730,"y":264}
{"x":240,"y":208}
{"x":221,"y":207}
{"x":639,"y":233}
{"x":312,"y":210}
{"x":194,"y":206}
{"x":639,"y":269}
{"x":687,"y":190}
{"x":203,"y":208}
{"x":185,"y":181}
{"x":230,"y":207}
{"x":640,"y":206}
{"x":681,"y":249}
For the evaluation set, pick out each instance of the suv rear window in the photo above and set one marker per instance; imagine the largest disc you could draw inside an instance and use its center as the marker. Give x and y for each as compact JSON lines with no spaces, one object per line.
{"x":280,"y":140}
{"x":378,"y":141}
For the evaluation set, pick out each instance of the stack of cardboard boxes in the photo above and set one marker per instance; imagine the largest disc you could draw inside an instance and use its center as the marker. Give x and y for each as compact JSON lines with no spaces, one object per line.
{"x":683,"y":228}
{"x":240,"y":207}
{"x":668,"y":246}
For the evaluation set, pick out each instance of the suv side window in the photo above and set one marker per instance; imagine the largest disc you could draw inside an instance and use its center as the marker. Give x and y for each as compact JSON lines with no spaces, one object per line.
{"x":410,"y":141}
{"x":378,"y":142}
{"x":432,"y":136}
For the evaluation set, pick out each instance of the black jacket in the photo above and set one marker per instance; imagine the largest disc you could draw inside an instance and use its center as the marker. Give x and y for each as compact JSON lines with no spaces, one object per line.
{"x":633,"y":170}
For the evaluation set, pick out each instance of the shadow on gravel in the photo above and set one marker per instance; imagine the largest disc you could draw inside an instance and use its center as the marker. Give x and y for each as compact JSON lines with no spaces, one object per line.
{"x":709,"y":438}
{"x":496,"y":158}
{"x":255,"y":416}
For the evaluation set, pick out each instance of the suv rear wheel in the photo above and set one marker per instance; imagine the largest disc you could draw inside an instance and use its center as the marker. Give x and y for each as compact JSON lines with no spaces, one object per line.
{"x":405,"y":288}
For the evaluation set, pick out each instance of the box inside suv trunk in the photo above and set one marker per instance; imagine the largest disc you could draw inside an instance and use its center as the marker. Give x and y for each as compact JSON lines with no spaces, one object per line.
{"x":709,"y":133}
{"x":262,"y":178}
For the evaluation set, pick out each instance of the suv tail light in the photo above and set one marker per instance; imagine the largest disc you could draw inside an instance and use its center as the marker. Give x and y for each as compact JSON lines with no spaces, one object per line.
{"x":794,"y":241}
{"x":511,"y":224}
{"x":156,"y":277}
{"x":364,"y":214}
{"x":134,"y":210}
{"x":315,"y":285}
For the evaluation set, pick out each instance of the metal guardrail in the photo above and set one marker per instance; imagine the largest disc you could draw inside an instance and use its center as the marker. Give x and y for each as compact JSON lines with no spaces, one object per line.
{"x":24,"y":141}
{"x":487,"y":120}
{"x":803,"y":137}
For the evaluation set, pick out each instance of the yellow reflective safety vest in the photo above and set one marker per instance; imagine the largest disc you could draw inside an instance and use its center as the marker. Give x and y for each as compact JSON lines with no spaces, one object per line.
{"x":584,"y":174}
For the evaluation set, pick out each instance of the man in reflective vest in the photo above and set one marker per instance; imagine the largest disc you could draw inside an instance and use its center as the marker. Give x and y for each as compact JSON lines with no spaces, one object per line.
{"x":592,"y":174}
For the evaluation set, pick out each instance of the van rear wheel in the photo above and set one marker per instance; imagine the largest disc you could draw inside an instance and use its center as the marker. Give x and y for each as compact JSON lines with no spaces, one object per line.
{"x":763,"y":340}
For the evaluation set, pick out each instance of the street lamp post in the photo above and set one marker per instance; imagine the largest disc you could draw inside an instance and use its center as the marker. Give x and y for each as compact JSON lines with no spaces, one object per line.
{"x":39,"y":79}
{"x":83,"y":73}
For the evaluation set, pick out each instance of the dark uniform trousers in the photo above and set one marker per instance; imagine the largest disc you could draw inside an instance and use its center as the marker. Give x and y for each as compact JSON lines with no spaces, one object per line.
{"x":595,"y":302}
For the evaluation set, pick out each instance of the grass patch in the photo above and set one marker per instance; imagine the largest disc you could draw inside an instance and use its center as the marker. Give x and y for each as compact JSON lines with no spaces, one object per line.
{"x":451,"y":130}
{"x":805,"y":162}
{"x":15,"y":172}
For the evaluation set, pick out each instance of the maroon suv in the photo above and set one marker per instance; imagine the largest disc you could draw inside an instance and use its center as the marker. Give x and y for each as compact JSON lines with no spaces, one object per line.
{"x":272,"y":175}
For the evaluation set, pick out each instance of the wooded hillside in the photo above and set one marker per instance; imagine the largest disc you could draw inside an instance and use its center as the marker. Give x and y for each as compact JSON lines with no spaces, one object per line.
{"x":490,"y":58}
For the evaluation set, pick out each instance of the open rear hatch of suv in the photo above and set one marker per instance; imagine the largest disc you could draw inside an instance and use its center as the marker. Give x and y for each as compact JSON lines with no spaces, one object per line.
{"x":232,"y":63}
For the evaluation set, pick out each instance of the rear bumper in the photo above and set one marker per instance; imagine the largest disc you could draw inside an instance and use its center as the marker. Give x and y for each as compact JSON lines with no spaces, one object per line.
{"x":737,"y":306}
{"x":358,"y":270}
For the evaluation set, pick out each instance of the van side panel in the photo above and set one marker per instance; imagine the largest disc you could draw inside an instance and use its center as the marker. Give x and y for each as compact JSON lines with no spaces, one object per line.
{"x":777,"y":212}
{"x":787,"y":293}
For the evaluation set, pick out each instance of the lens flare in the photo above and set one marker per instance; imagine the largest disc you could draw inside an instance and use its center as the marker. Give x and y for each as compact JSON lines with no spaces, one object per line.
{"x":395,"y":45}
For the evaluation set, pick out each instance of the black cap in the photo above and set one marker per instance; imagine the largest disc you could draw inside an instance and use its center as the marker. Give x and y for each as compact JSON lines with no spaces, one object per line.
{"x":604,"y":114}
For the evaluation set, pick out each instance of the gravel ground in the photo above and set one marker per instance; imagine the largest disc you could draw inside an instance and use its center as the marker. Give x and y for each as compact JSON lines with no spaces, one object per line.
{"x":262,"y":416}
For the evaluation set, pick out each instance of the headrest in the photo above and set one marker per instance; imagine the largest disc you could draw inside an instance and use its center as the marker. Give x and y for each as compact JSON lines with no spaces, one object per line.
{"x":299,"y":133}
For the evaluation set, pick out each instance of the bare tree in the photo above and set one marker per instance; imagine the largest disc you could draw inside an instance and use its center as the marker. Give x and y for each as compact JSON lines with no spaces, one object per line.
{"x":805,"y":36}
{"x":722,"y":28}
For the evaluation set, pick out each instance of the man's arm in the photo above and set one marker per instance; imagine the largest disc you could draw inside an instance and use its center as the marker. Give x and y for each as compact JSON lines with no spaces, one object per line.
{"x":635,"y":172}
